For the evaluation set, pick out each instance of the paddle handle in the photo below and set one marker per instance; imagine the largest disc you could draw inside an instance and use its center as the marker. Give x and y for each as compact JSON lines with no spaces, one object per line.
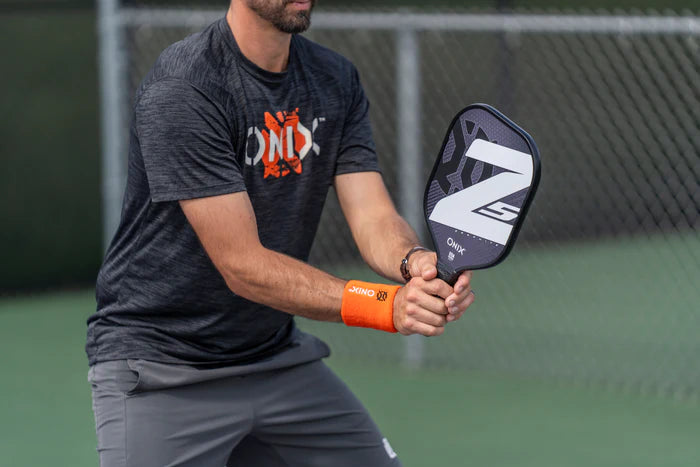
{"x":447,"y":274}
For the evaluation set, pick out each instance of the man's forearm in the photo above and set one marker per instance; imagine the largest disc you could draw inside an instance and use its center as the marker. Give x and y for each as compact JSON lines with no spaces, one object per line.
{"x":284,"y":283}
{"x":384,"y":243}
{"x":226,"y":227}
{"x":380,"y":233}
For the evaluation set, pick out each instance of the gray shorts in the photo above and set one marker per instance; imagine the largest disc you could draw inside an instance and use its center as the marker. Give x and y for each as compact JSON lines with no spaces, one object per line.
{"x":151,"y":414}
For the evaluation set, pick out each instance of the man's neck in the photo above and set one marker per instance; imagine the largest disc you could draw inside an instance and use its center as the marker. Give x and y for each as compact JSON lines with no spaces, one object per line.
{"x":259,"y":41}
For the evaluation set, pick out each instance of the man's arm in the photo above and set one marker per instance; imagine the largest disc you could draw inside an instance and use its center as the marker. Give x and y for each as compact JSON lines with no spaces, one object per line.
{"x":384,"y":237}
{"x":227,"y":228}
{"x":381,"y":234}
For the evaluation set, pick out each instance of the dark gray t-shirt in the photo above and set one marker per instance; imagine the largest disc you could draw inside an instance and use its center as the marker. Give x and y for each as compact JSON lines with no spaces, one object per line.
{"x":207,"y":121}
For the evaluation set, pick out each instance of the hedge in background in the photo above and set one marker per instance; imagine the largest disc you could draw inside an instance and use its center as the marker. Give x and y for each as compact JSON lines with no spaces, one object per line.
{"x":49,"y":153}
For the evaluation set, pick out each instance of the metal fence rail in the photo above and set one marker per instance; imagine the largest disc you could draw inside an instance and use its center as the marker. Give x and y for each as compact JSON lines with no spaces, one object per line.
{"x":562,"y":24}
{"x":603,"y":284}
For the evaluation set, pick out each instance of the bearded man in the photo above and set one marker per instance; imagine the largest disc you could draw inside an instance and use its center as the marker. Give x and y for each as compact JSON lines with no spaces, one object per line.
{"x":238,"y":132}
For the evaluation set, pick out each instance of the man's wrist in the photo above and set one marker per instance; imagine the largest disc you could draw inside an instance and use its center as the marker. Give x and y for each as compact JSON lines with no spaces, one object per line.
{"x":405,"y":266}
{"x":369,"y":305}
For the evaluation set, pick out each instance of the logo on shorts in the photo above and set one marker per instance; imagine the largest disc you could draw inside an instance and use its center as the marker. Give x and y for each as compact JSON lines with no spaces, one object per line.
{"x":282,"y":145}
{"x":382,"y":295}
{"x":387,"y":447}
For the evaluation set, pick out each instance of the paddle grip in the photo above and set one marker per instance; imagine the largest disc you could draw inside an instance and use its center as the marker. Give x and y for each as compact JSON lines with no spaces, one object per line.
{"x":446,"y":274}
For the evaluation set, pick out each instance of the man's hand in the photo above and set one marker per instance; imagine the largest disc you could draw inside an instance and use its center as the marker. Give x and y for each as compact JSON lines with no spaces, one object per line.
{"x":423,"y":264}
{"x":419,"y":307}
{"x":383,"y":237}
{"x":462,"y":298}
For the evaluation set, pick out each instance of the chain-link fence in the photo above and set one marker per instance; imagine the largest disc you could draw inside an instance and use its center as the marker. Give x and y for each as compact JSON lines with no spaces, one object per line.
{"x":603,"y":284}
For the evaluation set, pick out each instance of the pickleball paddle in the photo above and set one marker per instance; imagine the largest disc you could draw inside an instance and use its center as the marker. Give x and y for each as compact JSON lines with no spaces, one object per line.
{"x":479,"y":190}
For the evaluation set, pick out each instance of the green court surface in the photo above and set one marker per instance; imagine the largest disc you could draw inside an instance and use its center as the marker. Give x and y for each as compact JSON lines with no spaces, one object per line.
{"x":431,"y":417}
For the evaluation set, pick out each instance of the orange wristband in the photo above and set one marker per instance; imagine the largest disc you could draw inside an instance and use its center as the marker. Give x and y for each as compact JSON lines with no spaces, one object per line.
{"x":368,"y":305}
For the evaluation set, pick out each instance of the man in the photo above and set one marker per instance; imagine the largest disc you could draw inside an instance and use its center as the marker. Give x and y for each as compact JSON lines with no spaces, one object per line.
{"x":238,"y":133}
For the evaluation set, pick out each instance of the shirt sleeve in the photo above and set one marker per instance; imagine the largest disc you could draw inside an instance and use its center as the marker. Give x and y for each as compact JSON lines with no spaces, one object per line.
{"x":357,"y":152}
{"x":185,"y":141}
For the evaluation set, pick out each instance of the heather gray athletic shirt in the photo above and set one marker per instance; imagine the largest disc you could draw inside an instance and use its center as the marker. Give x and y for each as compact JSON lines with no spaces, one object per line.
{"x":207,"y":121}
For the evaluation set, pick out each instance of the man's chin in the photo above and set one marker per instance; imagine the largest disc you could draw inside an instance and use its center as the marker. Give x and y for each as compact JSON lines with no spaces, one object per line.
{"x":298,"y":23}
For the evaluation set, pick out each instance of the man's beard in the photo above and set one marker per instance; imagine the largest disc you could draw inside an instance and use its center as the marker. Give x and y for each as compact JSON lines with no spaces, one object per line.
{"x":276,"y":13}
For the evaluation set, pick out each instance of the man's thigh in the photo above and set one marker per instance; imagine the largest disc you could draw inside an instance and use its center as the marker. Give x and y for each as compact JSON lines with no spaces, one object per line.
{"x":293,"y":417}
{"x":191,"y":425}
{"x":307,"y":417}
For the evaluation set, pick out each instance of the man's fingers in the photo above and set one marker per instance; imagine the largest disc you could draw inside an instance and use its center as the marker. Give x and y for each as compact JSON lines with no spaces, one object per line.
{"x":422,"y":315}
{"x":429,"y":272}
{"x":422,"y":296}
{"x":424,"y":265}
{"x":463,"y":281}
{"x":452,"y":318}
{"x":455,"y":302}
{"x":458,"y":310}
{"x":462,"y":290}
{"x":417,"y":327}
{"x":439,"y":288}
{"x":434,"y":287}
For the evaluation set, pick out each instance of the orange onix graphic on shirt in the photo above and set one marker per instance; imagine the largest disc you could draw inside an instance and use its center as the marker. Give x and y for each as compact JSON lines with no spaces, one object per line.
{"x":282,"y":144}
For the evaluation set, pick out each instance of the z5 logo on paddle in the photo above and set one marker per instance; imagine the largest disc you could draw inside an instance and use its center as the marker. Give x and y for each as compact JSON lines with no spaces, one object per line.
{"x":477,"y":209}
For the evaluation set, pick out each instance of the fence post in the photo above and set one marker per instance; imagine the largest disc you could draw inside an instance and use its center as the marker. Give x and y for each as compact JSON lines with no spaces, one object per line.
{"x":410,"y":185}
{"x":112,"y":115}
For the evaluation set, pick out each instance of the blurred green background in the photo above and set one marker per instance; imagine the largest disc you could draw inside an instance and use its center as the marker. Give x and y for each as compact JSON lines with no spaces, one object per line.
{"x":49,"y":133}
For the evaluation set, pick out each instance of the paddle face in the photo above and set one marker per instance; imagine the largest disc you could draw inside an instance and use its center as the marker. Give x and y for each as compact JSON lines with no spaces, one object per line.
{"x":478,"y":193}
